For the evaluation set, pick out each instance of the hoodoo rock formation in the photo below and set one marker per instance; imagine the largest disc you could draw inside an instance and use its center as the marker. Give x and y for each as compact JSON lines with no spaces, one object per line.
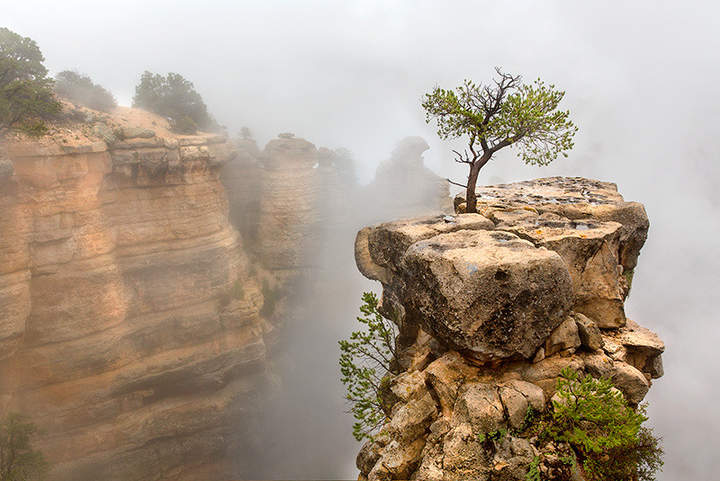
{"x":491,"y":307}
{"x":404,"y":187}
{"x":130,"y":330}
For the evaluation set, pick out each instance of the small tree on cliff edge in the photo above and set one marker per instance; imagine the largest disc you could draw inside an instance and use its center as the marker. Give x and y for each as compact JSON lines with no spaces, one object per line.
{"x":506,"y":113}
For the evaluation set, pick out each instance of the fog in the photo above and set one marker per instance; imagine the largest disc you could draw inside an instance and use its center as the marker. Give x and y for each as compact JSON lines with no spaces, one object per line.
{"x":642,"y":85}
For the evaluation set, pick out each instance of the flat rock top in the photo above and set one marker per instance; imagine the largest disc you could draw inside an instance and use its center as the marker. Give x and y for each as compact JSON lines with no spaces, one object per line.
{"x":83,"y":130}
{"x":550,"y":191}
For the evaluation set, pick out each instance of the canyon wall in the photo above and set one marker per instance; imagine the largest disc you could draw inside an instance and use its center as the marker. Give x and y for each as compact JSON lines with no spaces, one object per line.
{"x":491,"y":307}
{"x":131,"y":331}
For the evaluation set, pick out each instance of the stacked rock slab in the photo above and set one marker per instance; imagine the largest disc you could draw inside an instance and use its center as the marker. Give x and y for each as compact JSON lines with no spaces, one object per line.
{"x":129,"y":319}
{"x":491,"y":307}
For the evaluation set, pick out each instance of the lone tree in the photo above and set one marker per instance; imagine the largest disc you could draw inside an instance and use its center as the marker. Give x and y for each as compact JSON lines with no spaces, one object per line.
{"x":174,"y":97}
{"x":26,"y":91}
{"x":81,"y":90}
{"x":502,"y":114}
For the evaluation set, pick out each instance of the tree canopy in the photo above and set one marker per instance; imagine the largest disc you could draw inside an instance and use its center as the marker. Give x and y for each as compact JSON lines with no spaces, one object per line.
{"x":498,"y":115}
{"x":81,"y":90}
{"x":174,"y":97}
{"x":26,"y":91}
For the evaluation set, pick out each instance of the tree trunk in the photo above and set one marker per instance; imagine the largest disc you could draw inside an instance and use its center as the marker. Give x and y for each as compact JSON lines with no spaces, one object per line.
{"x":470,"y":197}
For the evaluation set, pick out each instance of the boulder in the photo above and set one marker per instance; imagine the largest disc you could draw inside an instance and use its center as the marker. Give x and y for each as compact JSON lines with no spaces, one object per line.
{"x":487,"y":293}
{"x":589,"y":332}
{"x":564,"y":338}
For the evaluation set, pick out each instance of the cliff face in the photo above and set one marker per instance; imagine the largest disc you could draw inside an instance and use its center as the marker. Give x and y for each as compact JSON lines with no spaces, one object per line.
{"x":491,"y":307}
{"x":130,"y":329}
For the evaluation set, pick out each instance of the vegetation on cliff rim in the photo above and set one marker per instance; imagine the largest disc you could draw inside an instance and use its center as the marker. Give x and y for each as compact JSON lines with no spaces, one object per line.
{"x":18,"y":460}
{"x":174,"y":97}
{"x":367,"y":359}
{"x":606,"y":434}
{"x":494,"y":116}
{"x":26,"y":91}
{"x":81,"y":90}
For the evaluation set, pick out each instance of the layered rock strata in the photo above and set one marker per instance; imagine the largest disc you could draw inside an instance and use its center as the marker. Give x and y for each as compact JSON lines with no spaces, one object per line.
{"x":491,"y":307}
{"x":130,"y":330}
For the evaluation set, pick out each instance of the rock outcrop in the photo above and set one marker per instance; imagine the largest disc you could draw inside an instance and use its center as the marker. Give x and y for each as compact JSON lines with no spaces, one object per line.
{"x":130,"y":330}
{"x":491,"y":307}
{"x":404,"y":187}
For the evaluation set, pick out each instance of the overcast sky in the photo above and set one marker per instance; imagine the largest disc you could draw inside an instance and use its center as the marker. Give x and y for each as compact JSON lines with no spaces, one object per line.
{"x":641,"y":79}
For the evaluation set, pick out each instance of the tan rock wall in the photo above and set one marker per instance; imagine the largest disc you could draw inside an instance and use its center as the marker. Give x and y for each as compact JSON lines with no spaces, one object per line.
{"x":129,"y":314}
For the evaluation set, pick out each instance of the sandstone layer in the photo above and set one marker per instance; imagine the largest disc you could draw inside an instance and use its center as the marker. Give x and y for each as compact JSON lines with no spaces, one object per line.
{"x":490,"y":308}
{"x":130,"y":330}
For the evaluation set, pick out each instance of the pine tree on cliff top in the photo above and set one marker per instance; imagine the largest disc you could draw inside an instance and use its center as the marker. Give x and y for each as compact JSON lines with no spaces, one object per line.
{"x":26,"y":91}
{"x":494,"y":116}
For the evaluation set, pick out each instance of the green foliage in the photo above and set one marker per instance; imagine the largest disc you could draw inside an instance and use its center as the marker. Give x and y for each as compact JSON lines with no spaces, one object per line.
{"x":26,"y":94}
{"x":533,"y":473}
{"x":510,"y":113}
{"x":495,"y":436}
{"x":494,"y":116}
{"x":18,"y":460}
{"x":603,"y":430}
{"x":81,"y":90}
{"x":174,"y":97}
{"x":367,"y":359}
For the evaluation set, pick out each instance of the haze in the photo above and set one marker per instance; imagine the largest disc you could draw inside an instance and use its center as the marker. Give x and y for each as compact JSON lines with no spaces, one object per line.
{"x":641,"y":82}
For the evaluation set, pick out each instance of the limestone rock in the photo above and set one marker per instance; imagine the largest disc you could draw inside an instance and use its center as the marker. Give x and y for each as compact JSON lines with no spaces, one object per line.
{"x":564,"y":338}
{"x":485,"y":292}
{"x":411,"y":419}
{"x":479,"y":405}
{"x":517,"y":396}
{"x":630,"y":381}
{"x":589,"y":333}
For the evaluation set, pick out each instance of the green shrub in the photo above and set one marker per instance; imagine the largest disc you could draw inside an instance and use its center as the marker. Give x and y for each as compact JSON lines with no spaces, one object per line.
{"x":80,"y":90}
{"x":18,"y":460}
{"x":603,"y":430}
{"x":174,"y":97}
{"x":367,"y":360}
{"x":26,"y":94}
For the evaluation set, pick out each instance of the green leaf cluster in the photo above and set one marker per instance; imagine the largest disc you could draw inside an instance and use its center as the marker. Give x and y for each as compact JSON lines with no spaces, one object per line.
{"x":81,"y":90}
{"x":604,"y":431}
{"x":26,"y":91}
{"x":18,"y":460}
{"x":506,"y":113}
{"x":367,"y":359}
{"x":174,"y":97}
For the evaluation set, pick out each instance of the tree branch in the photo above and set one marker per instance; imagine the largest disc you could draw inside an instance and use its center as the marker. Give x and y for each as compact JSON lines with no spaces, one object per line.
{"x":455,"y":183}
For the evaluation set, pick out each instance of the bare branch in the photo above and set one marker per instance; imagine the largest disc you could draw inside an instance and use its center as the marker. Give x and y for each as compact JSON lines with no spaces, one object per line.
{"x":455,"y":183}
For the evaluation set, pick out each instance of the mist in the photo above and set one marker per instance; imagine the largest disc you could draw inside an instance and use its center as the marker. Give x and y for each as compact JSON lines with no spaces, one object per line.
{"x":641,"y":83}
